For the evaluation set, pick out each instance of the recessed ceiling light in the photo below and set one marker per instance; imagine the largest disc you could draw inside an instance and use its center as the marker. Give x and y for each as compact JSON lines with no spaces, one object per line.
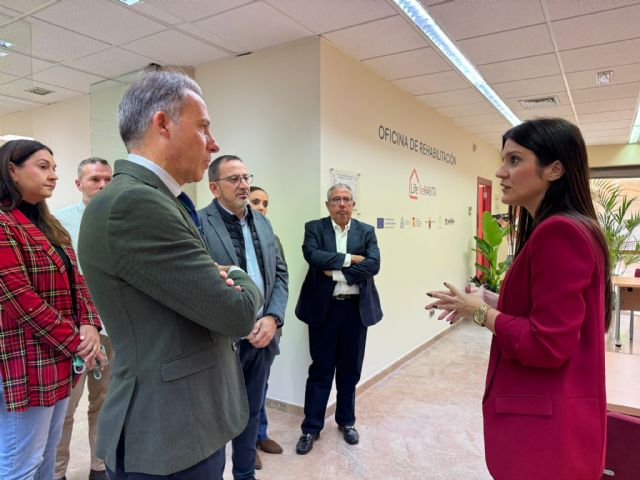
{"x":3,"y":54}
{"x":604,"y":78}
{"x":418,"y":14}
{"x":39,"y":91}
{"x":129,"y":2}
{"x":5,"y":43}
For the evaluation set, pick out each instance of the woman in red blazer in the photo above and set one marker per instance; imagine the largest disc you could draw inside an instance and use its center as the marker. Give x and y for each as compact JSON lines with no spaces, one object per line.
{"x":46,"y":315}
{"x":544,"y":405}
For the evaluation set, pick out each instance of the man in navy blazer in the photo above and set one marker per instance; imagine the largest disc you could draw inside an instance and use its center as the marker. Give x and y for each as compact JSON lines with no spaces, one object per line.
{"x":238,"y":235}
{"x":338,"y":301}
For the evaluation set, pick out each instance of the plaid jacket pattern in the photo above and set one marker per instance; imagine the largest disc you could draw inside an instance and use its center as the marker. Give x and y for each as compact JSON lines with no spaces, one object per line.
{"x":38,"y":330}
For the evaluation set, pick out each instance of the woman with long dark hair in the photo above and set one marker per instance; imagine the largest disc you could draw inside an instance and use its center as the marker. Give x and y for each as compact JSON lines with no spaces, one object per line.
{"x":46,"y":315}
{"x":544,"y":405}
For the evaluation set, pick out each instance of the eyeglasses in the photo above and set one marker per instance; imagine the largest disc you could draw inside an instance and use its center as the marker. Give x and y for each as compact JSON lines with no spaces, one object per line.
{"x":337,"y":200}
{"x":236,"y":179}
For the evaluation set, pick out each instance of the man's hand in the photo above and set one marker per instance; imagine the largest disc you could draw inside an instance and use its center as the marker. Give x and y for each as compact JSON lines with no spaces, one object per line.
{"x":355,"y":259}
{"x":262,"y":332}
{"x":224,"y":274}
{"x":89,"y":344}
{"x":329,"y":273}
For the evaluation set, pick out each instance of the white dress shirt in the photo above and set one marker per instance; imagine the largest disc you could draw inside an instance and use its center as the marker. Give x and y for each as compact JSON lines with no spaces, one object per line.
{"x":342,"y":287}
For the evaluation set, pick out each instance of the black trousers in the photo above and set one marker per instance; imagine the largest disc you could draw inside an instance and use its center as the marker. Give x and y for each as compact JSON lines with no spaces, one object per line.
{"x":211,"y":468}
{"x":337,"y":347}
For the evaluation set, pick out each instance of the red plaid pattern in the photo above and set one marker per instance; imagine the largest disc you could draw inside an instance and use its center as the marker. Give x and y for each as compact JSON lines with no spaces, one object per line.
{"x":38,"y":333}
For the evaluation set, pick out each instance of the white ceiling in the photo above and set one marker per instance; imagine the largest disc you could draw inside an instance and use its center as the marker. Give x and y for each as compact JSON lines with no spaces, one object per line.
{"x":524,"y":48}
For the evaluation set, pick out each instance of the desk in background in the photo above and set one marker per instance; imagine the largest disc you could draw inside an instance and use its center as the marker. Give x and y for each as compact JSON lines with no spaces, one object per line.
{"x":623,"y":388}
{"x":627,"y":291}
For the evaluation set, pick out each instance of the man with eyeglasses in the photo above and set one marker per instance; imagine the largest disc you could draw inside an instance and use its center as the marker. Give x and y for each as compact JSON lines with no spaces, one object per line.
{"x":338,"y":301}
{"x":236,"y":235}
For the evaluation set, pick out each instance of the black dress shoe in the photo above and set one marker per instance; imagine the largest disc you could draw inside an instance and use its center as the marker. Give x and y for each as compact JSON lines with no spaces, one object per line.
{"x":98,"y":475}
{"x":350,"y":434}
{"x":305,"y":443}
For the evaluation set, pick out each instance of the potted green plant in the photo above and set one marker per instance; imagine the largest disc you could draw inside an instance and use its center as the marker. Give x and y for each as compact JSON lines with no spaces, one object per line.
{"x":491,"y":274}
{"x":618,"y":224}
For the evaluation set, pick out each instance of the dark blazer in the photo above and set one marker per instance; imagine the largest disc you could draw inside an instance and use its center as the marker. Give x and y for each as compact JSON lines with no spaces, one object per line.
{"x":319,"y":250}
{"x":275,"y":275}
{"x":38,"y":328}
{"x":544,"y":406}
{"x":176,"y":391}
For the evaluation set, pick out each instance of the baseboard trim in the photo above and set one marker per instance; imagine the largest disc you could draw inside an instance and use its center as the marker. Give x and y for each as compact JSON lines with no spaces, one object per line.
{"x":370,"y":382}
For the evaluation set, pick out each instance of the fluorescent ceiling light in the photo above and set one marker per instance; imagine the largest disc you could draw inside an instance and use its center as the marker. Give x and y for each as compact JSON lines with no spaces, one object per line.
{"x":417,"y":13}
{"x":3,"y":54}
{"x":635,"y":130}
{"x":9,"y":137}
{"x":5,"y":43}
{"x":129,"y":2}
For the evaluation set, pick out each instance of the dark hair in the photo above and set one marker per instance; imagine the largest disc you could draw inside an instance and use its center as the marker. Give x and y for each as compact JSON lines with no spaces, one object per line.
{"x":214,"y":168}
{"x":91,"y":161}
{"x":254,"y":188}
{"x":17,"y":152}
{"x":552,"y":139}
{"x":159,"y":91}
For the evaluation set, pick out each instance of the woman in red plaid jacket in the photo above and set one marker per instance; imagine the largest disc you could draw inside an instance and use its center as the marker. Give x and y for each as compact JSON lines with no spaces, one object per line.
{"x":46,"y":314}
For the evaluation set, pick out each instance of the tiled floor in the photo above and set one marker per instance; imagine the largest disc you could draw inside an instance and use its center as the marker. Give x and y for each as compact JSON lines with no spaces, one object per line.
{"x":421,"y":422}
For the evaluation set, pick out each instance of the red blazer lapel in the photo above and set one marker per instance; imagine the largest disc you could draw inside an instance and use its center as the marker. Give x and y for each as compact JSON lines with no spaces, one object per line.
{"x":38,"y":237}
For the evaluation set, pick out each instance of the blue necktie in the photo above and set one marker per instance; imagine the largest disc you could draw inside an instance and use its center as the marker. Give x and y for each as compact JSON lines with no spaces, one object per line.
{"x":191,"y":209}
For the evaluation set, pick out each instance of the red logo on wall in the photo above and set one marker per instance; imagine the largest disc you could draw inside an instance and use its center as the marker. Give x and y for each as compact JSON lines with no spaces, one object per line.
{"x":414,"y":183}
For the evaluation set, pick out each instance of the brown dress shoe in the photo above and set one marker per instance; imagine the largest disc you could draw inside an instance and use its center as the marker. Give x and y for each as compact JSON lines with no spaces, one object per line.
{"x":258,"y":462}
{"x":269,"y":446}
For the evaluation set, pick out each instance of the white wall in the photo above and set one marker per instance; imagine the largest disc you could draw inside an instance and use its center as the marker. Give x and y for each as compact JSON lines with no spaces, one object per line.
{"x":415,"y":259}
{"x":265,"y":108}
{"x":65,"y":128}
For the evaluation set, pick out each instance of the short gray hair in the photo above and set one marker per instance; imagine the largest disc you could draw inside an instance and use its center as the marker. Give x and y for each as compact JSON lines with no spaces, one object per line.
{"x":160,"y":91}
{"x":91,"y":161}
{"x":336,"y":186}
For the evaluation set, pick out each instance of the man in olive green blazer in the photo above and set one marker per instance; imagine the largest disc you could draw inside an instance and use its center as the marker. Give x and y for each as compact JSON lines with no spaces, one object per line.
{"x":176,"y":394}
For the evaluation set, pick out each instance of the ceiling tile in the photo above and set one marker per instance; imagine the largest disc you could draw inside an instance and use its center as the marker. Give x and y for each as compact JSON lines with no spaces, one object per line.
{"x":18,"y":87}
{"x":455,"y":97}
{"x":620,"y":139}
{"x":610,"y":132}
{"x":492,"y":129}
{"x":605,"y":126}
{"x":112,"y":62}
{"x":520,"y":69}
{"x":329,"y":15}
{"x":6,"y":77}
{"x":524,"y":42}
{"x":107,"y":21}
{"x":485,"y":17}
{"x":23,"y":6}
{"x":601,"y":56}
{"x":186,"y":10}
{"x":563,"y":98}
{"x":472,"y":120}
{"x":21,"y":65}
{"x":606,"y":106}
{"x":435,"y":82}
{"x":177,"y":49}
{"x":17,"y":104}
{"x":476,"y":108}
{"x":557,"y":111}
{"x":408,"y":64}
{"x":611,"y":92}
{"x":586,"y":118}
{"x":531,"y":88}
{"x":253,"y":27}
{"x":67,"y":77}
{"x":562,"y":8}
{"x":594,"y":29}
{"x":621,"y":74}
{"x":382,"y":37}
{"x":57,"y":44}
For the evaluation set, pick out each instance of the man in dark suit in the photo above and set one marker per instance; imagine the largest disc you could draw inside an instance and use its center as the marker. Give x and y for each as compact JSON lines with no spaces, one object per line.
{"x":236,"y":235}
{"x":338,"y":301}
{"x":176,"y":395}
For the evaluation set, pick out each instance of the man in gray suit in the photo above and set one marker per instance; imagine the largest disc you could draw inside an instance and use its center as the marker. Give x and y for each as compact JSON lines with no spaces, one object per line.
{"x":176,"y":395}
{"x":236,"y":235}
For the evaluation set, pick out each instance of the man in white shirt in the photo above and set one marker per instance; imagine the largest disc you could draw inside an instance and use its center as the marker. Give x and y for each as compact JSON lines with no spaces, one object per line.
{"x":93,"y":175}
{"x":338,"y":301}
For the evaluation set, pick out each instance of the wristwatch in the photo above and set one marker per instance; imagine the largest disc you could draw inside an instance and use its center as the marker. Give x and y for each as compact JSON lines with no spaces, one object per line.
{"x":279,"y":321}
{"x":480,"y":315}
